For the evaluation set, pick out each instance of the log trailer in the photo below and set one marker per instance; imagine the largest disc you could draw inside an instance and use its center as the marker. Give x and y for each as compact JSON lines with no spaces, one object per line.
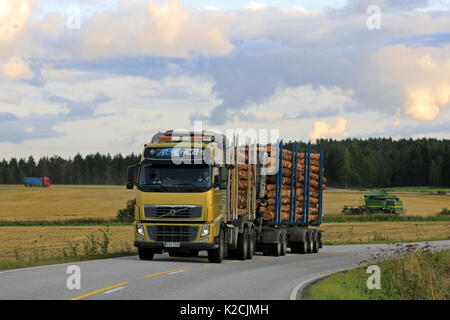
{"x":200,"y":191}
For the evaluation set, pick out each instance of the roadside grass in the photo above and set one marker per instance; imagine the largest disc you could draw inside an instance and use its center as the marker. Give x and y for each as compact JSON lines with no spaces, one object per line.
{"x":384,"y":217}
{"x":412,"y":274}
{"x":71,"y":222}
{"x":50,"y":259}
{"x":384,"y":232}
{"x":33,"y":246}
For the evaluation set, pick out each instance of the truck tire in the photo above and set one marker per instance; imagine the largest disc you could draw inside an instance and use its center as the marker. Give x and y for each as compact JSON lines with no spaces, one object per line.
{"x":251,"y":244}
{"x":309,"y":242}
{"x":276,"y":247}
{"x":216,"y":255}
{"x":145,"y":254}
{"x":242,"y":245}
{"x":316,"y":243}
{"x":283,"y":244}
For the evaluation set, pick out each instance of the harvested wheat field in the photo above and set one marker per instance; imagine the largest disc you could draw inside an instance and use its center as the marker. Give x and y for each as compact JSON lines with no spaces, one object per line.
{"x":363,"y":232}
{"x":30,"y":242}
{"x":415,"y":203}
{"x":62,"y":202}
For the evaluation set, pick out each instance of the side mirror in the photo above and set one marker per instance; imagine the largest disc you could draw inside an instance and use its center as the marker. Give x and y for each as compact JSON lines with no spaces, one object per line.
{"x":223,"y":177}
{"x":130,"y":176}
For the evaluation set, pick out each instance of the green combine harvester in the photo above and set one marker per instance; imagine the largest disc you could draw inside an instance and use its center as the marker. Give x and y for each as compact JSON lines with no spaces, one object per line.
{"x":378,"y":201}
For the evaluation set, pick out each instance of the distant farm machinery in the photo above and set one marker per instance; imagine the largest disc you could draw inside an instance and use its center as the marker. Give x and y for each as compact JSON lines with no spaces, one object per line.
{"x":378,"y":201}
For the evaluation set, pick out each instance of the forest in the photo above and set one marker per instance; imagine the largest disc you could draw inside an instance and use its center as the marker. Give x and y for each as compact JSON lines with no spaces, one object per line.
{"x":350,"y":163}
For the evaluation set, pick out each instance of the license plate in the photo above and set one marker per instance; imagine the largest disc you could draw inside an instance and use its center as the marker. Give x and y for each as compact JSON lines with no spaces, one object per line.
{"x":171,"y":244}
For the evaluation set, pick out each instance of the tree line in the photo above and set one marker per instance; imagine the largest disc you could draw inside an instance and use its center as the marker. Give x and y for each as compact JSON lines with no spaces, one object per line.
{"x":375,"y":162}
{"x":94,"y":169}
{"x":384,"y":162}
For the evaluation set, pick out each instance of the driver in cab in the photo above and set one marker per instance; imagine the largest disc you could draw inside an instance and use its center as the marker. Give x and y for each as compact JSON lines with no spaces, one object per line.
{"x":204,"y":178}
{"x":156,"y":179}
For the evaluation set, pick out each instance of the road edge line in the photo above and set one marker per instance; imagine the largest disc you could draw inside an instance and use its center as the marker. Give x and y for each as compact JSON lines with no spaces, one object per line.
{"x":297,"y":291}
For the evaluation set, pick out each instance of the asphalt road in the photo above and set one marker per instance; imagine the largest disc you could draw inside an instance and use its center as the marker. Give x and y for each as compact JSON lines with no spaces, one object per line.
{"x":187,"y":278}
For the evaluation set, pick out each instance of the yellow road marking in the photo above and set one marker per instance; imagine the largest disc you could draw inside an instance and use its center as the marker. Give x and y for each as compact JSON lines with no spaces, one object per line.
{"x":164,"y":272}
{"x":98,"y":291}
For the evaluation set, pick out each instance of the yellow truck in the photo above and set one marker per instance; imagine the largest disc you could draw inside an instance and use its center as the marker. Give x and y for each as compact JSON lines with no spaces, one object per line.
{"x":189,"y":198}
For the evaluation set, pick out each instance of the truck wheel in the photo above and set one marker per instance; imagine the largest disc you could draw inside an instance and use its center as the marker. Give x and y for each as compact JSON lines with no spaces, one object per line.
{"x":145,"y":254}
{"x":276,"y":247}
{"x":309,"y":242}
{"x":283,"y":245}
{"x":216,"y":255}
{"x":242,"y":245}
{"x":251,"y":245}
{"x":316,"y":243}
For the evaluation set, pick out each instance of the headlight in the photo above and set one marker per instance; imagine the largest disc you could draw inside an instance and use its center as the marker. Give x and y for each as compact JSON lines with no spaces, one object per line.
{"x":205,"y":230}
{"x":140,"y":229}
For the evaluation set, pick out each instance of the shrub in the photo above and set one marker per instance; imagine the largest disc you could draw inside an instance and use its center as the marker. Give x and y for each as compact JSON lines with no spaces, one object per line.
{"x":127,"y":214}
{"x":444,"y":212}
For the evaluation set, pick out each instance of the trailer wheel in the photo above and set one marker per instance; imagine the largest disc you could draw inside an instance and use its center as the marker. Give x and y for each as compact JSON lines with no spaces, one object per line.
{"x":216,"y":255}
{"x":309,"y":242}
{"x":316,"y":243}
{"x":276,"y":247}
{"x":242,"y":244}
{"x":283,"y":244}
{"x":251,"y":244}
{"x":145,"y":254}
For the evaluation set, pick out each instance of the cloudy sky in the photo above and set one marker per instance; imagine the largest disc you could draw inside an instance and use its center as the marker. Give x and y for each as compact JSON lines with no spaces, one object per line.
{"x":92,"y":75}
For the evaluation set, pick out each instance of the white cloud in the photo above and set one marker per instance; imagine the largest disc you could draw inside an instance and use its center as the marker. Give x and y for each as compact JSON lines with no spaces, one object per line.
{"x":421,"y":74}
{"x":324,"y":130}
{"x":301,"y":102}
{"x":155,"y":28}
{"x":256,"y":6}
{"x":13,"y":16}
{"x":16,"y":69}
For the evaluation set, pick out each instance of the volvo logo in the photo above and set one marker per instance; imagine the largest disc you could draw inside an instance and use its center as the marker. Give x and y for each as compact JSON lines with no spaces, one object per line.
{"x":172,"y":212}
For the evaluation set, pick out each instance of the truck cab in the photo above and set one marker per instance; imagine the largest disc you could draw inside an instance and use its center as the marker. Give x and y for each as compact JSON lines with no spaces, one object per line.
{"x":181,"y":186}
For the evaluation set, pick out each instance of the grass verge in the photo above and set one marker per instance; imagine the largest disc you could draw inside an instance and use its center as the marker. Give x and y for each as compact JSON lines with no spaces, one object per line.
{"x":71,"y":222}
{"x":41,"y":261}
{"x":98,"y":244}
{"x":413,"y":274}
{"x":384,"y":217}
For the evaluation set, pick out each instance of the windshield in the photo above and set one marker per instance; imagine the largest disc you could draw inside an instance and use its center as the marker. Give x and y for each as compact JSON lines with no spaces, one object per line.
{"x":179,"y":178}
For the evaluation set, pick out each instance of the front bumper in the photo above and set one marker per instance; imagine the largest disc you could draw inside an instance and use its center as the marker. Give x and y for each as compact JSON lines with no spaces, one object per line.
{"x":183,"y":245}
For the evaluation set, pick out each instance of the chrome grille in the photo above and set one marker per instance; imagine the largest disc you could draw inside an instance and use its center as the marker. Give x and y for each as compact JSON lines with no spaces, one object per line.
{"x":172,"y":233}
{"x":177,"y":212}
